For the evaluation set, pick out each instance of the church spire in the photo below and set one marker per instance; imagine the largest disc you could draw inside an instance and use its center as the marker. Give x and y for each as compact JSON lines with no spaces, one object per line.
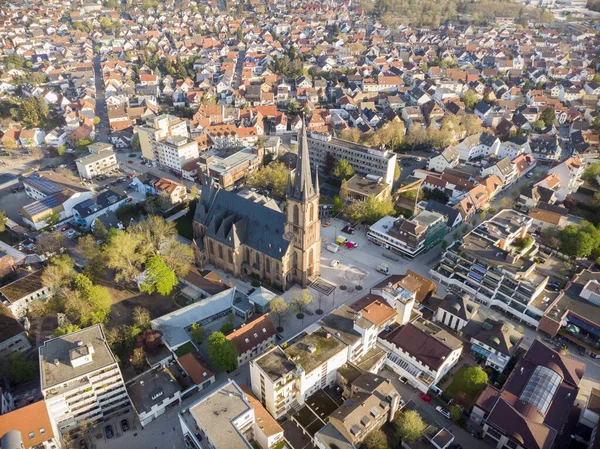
{"x":303,"y":188}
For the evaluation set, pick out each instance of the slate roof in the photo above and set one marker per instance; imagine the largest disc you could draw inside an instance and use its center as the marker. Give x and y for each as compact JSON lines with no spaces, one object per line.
{"x":234,"y":220}
{"x":459,"y":306}
{"x":100,"y":202}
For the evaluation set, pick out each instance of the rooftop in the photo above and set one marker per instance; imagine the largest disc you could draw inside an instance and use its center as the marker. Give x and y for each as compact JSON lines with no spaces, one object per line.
{"x":23,"y":287}
{"x":215,"y":415}
{"x":55,"y":356}
{"x":152,"y":388}
{"x":312,"y":350}
{"x":95,"y":157}
{"x":33,"y":421}
{"x":275,"y":363}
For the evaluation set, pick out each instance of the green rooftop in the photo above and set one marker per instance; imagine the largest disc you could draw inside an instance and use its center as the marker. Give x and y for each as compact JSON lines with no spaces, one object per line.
{"x":314,"y":349}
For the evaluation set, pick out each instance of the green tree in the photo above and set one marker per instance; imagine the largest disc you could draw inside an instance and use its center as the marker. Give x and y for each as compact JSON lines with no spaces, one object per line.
{"x":83,"y":143}
{"x":301,"y":300}
{"x":99,"y":230}
{"x":20,"y":369}
{"x":548,"y":116}
{"x":470,"y":99}
{"x":375,"y":439}
{"x":592,"y":170}
{"x":538,"y":125}
{"x":123,"y":254}
{"x":397,"y":171}
{"x":52,"y":218}
{"x":97,"y":120}
{"x":158,"y":277}
{"x":59,"y":272}
{"x":343,"y":169}
{"x":455,"y":412}
{"x":337,"y":205}
{"x":50,"y":242}
{"x":194,"y":192}
{"x":471,"y":379}
{"x":197,"y":333}
{"x":351,"y":135}
{"x":135,"y":142}
{"x":3,"y":219}
{"x":64,"y":330}
{"x":61,"y":150}
{"x":273,"y":177}
{"x":409,"y":426}
{"x":370,"y":210}
{"x":221,"y":352}
{"x":279,"y":308}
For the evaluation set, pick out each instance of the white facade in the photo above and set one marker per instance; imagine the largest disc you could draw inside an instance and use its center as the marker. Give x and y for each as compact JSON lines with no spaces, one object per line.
{"x":450,"y":320}
{"x":93,"y":165}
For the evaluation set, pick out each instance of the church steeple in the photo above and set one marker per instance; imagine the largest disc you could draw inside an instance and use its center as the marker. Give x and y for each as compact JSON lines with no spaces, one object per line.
{"x":303,"y":188}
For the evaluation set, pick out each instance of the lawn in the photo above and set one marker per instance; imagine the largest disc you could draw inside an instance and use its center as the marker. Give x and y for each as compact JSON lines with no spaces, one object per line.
{"x":460,"y":392}
{"x":184,"y":349}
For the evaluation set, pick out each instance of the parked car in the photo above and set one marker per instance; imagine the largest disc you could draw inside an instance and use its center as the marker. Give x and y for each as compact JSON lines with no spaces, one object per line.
{"x":326,"y":224}
{"x":64,"y":228}
{"x":403,"y":379}
{"x":108,"y":431}
{"x":351,"y":244}
{"x":124,"y":425}
{"x":348,"y":230}
{"x":132,"y":154}
{"x":443,"y":411}
{"x":70,"y":233}
{"x":425,"y":397}
{"x":402,"y":403}
{"x":334,"y":263}
{"x":130,"y":161}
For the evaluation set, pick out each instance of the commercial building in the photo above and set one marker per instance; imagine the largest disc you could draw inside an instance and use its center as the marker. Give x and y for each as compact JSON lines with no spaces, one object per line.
{"x":165,"y":141}
{"x":495,"y":342}
{"x":488,"y":264}
{"x":409,"y":237}
{"x":96,"y":164}
{"x":80,"y":379}
{"x":534,"y":404}
{"x":359,"y":188}
{"x":363,"y":159}
{"x":229,"y":165}
{"x":456,"y":311}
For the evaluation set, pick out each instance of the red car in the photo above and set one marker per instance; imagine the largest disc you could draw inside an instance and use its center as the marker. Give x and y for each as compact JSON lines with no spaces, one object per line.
{"x":64,"y":228}
{"x":425,"y":397}
{"x":130,"y":161}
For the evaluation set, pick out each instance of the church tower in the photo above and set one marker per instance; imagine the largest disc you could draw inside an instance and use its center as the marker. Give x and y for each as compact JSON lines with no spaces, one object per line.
{"x":302,"y":221}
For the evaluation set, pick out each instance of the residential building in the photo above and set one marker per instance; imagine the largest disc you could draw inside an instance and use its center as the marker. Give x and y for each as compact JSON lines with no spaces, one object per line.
{"x":17,"y":295}
{"x":253,"y":338}
{"x":495,"y":342}
{"x":223,"y":419}
{"x":532,"y":407}
{"x":153,"y":392}
{"x":574,"y":313}
{"x":373,"y":402}
{"x":153,"y":185}
{"x":87,"y":211}
{"x":447,"y":158}
{"x":267,"y":431}
{"x":96,"y":164}
{"x":503,"y":168}
{"x":242,"y":236}
{"x":165,"y":140}
{"x":283,"y":378}
{"x":409,"y":237}
{"x":456,"y":312}
{"x":421,"y":351}
{"x":488,"y":265}
{"x":13,"y":337}
{"x":80,"y":379}
{"x":478,"y":145}
{"x":569,"y":173}
{"x":54,"y":195}
{"x":30,"y":426}
{"x":363,"y":159}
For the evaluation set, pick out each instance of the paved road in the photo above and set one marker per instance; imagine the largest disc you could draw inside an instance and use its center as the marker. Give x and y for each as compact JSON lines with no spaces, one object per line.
{"x":102,"y":129}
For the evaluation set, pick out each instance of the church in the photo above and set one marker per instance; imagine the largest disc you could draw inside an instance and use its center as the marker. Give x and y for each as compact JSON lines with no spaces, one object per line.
{"x":241,"y":236}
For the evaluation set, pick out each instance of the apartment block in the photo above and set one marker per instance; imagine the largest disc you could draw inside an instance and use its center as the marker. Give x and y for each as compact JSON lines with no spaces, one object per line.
{"x":96,"y":164}
{"x":488,"y":264}
{"x":364,"y":160}
{"x":165,"y":140}
{"x":80,"y":379}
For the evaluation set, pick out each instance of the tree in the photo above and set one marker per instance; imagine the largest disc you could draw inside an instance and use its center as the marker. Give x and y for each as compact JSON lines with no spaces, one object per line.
{"x":351,"y":135}
{"x":64,"y":330}
{"x":99,"y":230}
{"x":343,"y":191}
{"x":96,"y":120}
{"x":138,"y":358}
{"x":376,"y":439}
{"x":550,"y":237}
{"x":455,"y":412}
{"x":3,"y":219}
{"x":279,"y":308}
{"x":52,"y":218}
{"x":61,"y":150}
{"x":506,"y":203}
{"x":135,"y":142}
{"x":592,"y":171}
{"x":548,"y":116}
{"x":579,"y":241}
{"x":343,"y":169}
{"x":397,"y":171}
{"x":194,"y":192}
{"x":94,"y":255}
{"x":409,"y":426}
{"x":538,"y":125}
{"x":444,"y":245}
{"x":221,"y":352}
{"x":470,"y":99}
{"x":158,"y":277}
{"x":273,"y":177}
{"x":470,"y":379}
{"x":20,"y":369}
{"x":301,"y":300}
{"x":59,"y":272}
{"x":122,"y":255}
{"x":141,"y":317}
{"x":91,"y":303}
{"x":370,"y":210}
{"x":50,"y":242}
{"x":178,"y":256}
{"x":197,"y":333}
{"x":337,"y":205}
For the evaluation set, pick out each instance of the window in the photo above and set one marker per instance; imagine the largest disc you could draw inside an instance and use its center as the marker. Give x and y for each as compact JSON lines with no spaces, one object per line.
{"x":230,"y":255}
{"x":268,"y":265}
{"x":311,"y":213}
{"x":257,"y":258}
{"x":31,"y":435}
{"x":211,"y":247}
{"x":220,"y":252}
{"x":42,"y":431}
{"x":296,"y":215}
{"x":247,"y":255}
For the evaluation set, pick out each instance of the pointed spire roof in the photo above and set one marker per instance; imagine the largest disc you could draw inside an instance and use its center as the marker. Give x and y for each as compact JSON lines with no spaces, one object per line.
{"x":303,"y":188}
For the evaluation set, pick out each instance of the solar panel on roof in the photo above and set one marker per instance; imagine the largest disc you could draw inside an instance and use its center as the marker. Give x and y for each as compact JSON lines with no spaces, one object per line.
{"x":44,"y":185}
{"x":41,"y":206}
